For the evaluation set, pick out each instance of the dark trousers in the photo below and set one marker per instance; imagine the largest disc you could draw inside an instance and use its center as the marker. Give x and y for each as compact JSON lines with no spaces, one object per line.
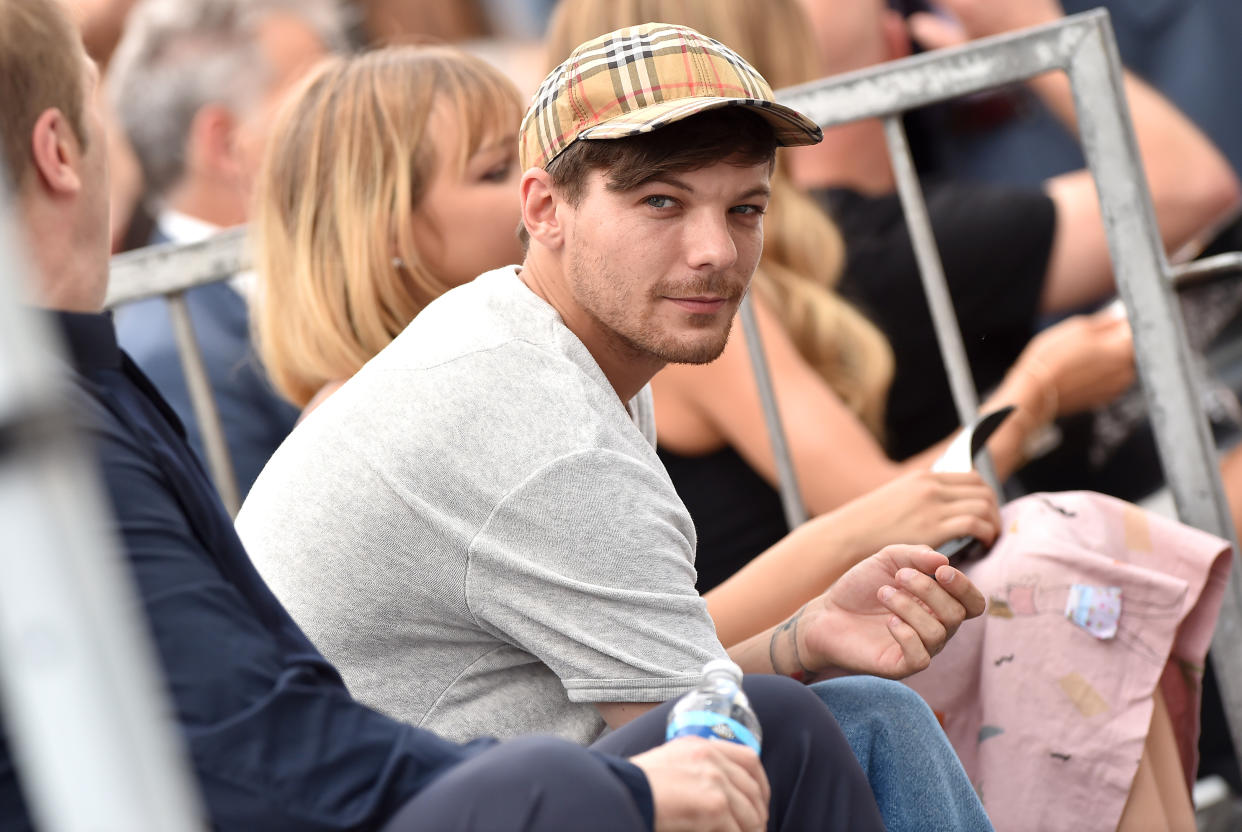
{"x":531,"y":784}
{"x":540,"y":783}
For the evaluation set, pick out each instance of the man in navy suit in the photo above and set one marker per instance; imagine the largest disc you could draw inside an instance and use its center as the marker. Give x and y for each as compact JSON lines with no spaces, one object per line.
{"x":194,"y":84}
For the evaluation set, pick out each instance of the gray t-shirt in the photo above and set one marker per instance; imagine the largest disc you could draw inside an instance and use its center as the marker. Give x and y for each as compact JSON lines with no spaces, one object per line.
{"x":479,"y":533}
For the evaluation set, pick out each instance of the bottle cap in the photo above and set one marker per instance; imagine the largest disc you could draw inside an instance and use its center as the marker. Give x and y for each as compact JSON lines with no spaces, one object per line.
{"x":725,"y":667}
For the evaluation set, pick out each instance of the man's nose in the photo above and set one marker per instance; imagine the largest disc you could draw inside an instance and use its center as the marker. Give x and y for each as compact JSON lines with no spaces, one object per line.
{"x":709,"y":242}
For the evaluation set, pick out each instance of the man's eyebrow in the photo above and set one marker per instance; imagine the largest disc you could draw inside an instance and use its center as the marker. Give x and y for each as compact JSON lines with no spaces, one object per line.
{"x":665,"y":179}
{"x":764,"y":191}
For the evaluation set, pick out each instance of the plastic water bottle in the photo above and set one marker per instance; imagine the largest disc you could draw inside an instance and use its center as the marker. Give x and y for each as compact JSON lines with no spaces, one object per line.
{"x":717,"y":709}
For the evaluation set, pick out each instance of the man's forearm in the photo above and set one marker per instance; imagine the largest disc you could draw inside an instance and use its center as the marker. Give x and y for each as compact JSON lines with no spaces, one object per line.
{"x":784,"y":577}
{"x":775,"y":650}
{"x":1191,"y":181}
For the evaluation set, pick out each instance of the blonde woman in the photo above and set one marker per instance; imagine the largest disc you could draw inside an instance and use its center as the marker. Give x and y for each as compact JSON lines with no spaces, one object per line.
{"x":390,"y":178}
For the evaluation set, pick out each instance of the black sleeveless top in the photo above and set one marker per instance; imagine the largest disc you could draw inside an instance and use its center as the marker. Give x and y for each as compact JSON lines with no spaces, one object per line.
{"x":736,"y":513}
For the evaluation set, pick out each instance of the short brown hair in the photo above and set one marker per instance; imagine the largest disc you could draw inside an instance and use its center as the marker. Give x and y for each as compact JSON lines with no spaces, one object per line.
{"x":41,"y":67}
{"x":696,"y":142}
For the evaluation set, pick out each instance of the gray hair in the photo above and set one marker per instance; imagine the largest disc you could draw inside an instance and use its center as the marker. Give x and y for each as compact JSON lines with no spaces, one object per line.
{"x":178,"y":56}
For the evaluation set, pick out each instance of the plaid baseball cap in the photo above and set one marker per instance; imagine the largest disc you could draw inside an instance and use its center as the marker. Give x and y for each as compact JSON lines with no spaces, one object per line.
{"x":642,"y":78}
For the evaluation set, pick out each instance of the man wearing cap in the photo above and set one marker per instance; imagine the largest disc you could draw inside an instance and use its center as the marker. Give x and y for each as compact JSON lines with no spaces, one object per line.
{"x":477,"y":528}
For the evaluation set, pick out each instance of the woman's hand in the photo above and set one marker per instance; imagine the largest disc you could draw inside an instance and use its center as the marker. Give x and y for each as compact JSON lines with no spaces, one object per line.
{"x":921,"y":507}
{"x":1083,"y":362}
{"x":970,"y":19}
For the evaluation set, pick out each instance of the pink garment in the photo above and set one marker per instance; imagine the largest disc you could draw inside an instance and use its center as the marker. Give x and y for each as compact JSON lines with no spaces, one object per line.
{"x":1049,"y":716}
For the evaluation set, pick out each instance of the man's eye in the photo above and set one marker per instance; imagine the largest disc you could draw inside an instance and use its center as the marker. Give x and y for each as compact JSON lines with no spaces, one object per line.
{"x":749,"y":210}
{"x":660,"y":201}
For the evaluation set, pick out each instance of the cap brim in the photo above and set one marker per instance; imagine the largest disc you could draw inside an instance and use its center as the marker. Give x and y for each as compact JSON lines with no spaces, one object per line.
{"x":791,"y":127}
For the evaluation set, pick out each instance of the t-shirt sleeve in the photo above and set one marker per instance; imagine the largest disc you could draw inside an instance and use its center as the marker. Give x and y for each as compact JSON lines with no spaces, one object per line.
{"x":588,"y":565}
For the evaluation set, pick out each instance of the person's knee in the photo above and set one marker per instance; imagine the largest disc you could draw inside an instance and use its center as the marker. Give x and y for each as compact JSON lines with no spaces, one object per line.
{"x":886,"y":701}
{"x":789,"y":711}
{"x":780,"y":698}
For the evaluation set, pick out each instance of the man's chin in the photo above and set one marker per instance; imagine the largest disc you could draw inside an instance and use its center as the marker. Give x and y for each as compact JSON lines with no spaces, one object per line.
{"x":703,"y":353}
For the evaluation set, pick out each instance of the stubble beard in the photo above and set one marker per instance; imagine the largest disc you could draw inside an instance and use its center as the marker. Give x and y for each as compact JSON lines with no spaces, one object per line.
{"x":598,"y":290}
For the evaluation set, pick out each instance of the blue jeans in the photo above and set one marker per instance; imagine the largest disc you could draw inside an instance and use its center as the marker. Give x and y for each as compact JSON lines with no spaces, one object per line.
{"x":917,"y":779}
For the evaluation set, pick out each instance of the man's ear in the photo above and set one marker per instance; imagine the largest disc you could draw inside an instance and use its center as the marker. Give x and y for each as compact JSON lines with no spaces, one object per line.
{"x":211,"y":145}
{"x":56,"y":152}
{"x":539,"y":209}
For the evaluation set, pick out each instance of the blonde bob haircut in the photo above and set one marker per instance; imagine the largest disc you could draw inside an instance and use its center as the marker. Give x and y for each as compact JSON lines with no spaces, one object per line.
{"x":803,"y":252}
{"x":350,"y":159}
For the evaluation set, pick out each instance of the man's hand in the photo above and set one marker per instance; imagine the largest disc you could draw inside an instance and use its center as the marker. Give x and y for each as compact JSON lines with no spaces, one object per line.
{"x":887,"y":617}
{"x":979,"y":18}
{"x":708,"y":785}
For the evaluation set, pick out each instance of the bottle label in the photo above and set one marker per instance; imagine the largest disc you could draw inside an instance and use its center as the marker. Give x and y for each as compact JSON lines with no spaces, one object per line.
{"x":711,"y":725}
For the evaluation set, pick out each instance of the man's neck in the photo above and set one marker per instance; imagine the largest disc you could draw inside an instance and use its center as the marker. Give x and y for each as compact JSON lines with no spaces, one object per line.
{"x":627,"y":370}
{"x":852,"y":156}
{"x":68,"y":274}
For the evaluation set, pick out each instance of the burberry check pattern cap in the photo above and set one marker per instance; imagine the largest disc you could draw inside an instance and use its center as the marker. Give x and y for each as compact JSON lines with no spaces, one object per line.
{"x":640,"y":79}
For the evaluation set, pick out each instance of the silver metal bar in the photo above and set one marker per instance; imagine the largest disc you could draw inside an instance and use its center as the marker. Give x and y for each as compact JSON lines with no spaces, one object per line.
{"x":1163,"y":354}
{"x":787,"y":477}
{"x":83,"y":705}
{"x":172,"y":267}
{"x":1200,"y":271}
{"x":890,"y":88}
{"x":935,"y":287}
{"x":219,"y":462}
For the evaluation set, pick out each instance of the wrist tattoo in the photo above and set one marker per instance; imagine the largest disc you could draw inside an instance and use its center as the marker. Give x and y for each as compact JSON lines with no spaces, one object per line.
{"x":783,"y":649}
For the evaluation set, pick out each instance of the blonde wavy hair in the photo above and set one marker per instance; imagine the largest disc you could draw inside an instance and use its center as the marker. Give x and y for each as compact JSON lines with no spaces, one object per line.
{"x":803,"y":252}
{"x":349,"y":160}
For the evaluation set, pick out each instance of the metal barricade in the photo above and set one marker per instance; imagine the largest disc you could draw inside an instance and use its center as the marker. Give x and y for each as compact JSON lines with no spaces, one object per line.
{"x":84,"y":708}
{"x":169,"y":270}
{"x":1083,"y":47}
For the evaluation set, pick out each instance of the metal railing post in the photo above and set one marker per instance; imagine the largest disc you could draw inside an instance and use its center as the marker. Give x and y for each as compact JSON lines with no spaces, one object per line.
{"x":1162,"y":352}
{"x":935,"y":286}
{"x":219,"y":462}
{"x":791,"y":494}
{"x":169,"y":270}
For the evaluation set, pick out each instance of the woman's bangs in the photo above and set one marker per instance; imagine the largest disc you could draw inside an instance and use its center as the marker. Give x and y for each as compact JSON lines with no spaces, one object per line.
{"x":488,"y":107}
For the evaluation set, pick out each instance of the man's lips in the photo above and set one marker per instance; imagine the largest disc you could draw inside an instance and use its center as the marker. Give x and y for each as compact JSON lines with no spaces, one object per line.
{"x":701,"y":304}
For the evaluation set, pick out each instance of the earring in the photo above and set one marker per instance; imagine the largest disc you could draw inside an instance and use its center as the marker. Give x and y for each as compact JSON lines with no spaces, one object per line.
{"x":398,"y":263}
